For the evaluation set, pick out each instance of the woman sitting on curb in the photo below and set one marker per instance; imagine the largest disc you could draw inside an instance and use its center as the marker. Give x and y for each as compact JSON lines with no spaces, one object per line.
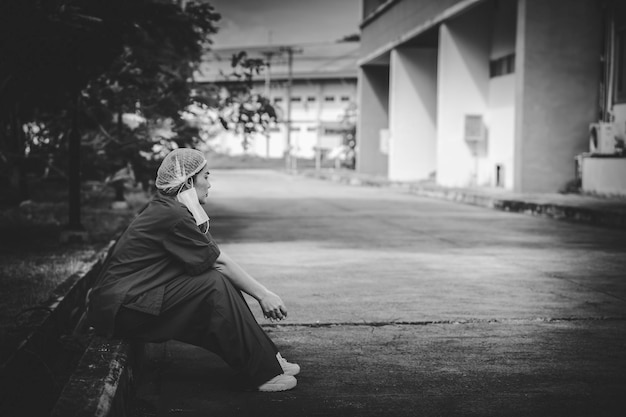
{"x":166,"y":279}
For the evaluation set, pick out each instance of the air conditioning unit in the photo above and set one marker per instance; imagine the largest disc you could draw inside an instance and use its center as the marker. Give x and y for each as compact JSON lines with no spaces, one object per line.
{"x":601,"y":138}
{"x":474,"y":128}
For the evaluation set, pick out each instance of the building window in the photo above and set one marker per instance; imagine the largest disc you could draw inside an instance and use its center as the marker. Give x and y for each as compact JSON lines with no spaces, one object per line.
{"x":310,"y":99}
{"x":311,"y":129}
{"x":345,"y":98}
{"x":620,"y":65}
{"x":329,"y":99}
{"x":296,"y":99}
{"x":502,"y":66}
{"x":278,"y":99}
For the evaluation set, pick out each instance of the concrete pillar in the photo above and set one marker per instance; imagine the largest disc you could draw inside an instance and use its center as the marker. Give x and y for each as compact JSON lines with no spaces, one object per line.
{"x":412,"y":114}
{"x":463,"y":87}
{"x":373,"y":99}
{"x":498,"y":169}
{"x":557,"y":75}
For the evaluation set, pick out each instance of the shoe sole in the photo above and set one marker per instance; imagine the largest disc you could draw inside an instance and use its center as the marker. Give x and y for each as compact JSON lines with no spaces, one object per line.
{"x":279,"y":386}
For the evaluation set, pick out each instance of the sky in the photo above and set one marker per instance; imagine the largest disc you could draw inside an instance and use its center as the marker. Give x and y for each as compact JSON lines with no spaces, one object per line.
{"x":284,"y":22}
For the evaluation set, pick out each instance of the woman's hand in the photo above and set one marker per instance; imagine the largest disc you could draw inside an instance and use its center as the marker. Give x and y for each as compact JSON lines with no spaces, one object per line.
{"x":271,"y":304}
{"x":273,"y":307}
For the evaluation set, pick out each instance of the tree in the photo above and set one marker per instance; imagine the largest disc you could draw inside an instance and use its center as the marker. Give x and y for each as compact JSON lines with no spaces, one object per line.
{"x":48,"y":52}
{"x":82,"y":65}
{"x":151,"y":79}
{"x":239,"y":109}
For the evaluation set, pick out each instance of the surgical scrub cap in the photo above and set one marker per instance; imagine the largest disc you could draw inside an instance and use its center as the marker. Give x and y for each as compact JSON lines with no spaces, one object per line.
{"x":177,"y":167}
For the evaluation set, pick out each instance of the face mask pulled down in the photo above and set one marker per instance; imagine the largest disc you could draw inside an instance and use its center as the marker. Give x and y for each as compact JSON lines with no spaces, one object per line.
{"x":189,"y":198}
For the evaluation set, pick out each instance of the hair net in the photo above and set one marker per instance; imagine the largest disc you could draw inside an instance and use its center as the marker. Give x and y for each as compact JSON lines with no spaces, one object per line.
{"x":177,"y":167}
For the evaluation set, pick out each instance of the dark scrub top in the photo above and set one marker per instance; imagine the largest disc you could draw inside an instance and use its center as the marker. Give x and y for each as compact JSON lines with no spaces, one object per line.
{"x":161,"y":244}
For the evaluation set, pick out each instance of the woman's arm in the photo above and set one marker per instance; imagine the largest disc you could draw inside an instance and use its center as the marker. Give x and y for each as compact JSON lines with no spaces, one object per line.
{"x":271,"y":304}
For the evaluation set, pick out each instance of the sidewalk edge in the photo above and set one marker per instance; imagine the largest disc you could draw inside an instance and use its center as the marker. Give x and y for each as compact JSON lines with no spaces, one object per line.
{"x":585,"y":215}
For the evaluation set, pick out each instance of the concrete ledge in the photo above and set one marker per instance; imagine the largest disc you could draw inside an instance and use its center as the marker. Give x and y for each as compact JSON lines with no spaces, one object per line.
{"x":102,"y":384}
{"x":601,"y":216}
{"x":582,"y":209}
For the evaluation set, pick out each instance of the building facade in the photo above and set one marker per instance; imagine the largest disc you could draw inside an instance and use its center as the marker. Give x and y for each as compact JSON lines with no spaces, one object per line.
{"x":491,"y":93}
{"x":318,"y":107}
{"x":314,"y":97}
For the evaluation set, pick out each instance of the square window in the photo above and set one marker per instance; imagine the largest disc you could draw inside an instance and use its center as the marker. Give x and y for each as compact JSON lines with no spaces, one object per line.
{"x":502,"y":66}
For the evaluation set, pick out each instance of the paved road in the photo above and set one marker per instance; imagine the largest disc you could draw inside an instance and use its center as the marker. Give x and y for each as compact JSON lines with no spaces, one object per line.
{"x":405,"y":306}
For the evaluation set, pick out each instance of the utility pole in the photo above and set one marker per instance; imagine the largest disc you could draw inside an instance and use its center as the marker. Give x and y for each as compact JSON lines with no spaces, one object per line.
{"x":318,"y":151}
{"x":289,"y":80}
{"x":268,"y":58}
{"x":268,"y":65}
{"x":290,"y":163}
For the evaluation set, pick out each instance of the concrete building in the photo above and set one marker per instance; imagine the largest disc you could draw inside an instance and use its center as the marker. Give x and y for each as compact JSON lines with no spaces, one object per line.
{"x":495,"y":93}
{"x":318,"y":92}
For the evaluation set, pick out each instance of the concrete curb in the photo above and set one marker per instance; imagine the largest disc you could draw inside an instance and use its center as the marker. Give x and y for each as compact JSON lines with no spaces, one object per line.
{"x":102,"y":384}
{"x":587,"y":215}
{"x":602,"y":212}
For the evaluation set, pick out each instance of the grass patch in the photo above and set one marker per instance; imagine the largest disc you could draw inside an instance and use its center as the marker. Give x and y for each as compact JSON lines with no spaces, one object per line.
{"x":32,"y":277}
{"x":33,"y":262}
{"x":28,"y":281}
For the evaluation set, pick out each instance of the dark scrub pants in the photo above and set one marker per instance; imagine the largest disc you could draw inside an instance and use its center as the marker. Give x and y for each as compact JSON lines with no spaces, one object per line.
{"x":159,"y":284}
{"x":207,"y":311}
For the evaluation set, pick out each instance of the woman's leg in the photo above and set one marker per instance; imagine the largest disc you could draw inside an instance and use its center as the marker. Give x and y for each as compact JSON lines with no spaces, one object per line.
{"x":208,"y":311}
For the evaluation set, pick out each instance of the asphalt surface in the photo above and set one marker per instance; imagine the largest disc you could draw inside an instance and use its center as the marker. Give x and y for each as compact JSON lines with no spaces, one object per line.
{"x":401,"y":305}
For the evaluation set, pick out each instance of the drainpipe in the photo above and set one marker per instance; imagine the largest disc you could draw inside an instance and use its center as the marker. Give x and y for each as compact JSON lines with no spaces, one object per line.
{"x":610,"y":62}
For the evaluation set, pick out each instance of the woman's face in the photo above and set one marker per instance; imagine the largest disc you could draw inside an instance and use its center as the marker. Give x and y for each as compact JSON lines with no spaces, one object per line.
{"x":201,"y":184}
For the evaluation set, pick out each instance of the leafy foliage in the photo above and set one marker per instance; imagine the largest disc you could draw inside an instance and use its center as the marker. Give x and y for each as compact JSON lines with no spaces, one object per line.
{"x":240,"y":110}
{"x":97,"y":61}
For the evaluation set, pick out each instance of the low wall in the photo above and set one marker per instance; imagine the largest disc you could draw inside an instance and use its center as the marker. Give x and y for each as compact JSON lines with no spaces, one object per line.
{"x":102,"y":385}
{"x":604,"y":175}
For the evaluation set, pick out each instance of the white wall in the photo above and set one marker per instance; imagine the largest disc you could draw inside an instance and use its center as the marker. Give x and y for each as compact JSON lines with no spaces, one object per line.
{"x":500,"y":130}
{"x":463,"y":86}
{"x":277,"y":144}
{"x":500,"y":118}
{"x":412,"y":114}
{"x":373,"y":102}
{"x":306,"y":118}
{"x":231,"y":144}
{"x":606,"y":176}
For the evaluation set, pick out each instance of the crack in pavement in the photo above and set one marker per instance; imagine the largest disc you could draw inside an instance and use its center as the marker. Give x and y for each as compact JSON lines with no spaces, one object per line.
{"x":585,"y":286}
{"x":436,"y":322}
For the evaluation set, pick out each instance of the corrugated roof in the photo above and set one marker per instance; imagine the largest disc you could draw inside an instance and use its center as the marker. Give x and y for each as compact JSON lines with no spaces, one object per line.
{"x":313,"y":61}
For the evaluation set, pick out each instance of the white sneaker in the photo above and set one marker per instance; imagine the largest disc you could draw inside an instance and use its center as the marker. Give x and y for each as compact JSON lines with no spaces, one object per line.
{"x":280,"y":382}
{"x":289,"y":368}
